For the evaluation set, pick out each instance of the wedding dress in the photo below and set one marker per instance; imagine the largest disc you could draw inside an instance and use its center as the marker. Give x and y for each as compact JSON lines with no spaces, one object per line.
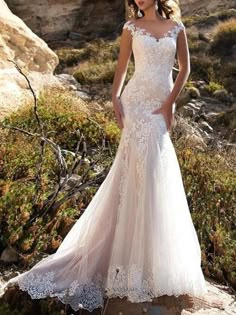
{"x":136,"y":238}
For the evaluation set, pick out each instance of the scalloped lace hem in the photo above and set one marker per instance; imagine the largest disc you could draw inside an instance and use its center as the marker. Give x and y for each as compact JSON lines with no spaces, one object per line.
{"x":90,"y":295}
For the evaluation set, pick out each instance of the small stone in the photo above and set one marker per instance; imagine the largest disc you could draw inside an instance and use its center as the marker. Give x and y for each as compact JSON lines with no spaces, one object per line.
{"x":194,"y":92}
{"x":83,"y":95}
{"x":187,"y":111}
{"x":205,"y":126}
{"x":221,"y":95}
{"x":75,"y":36}
{"x":9,"y":255}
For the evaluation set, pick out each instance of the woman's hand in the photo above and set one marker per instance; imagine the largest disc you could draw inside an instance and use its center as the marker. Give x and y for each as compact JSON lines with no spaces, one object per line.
{"x":167,"y":112}
{"x":118,"y":111}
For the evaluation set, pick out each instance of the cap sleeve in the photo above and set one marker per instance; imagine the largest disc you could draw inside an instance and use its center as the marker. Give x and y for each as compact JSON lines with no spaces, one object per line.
{"x":130,"y":26}
{"x":180,"y":26}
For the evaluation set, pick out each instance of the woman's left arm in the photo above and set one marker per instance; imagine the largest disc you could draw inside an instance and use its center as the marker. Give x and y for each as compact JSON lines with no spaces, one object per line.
{"x":184,"y":69}
{"x":184,"y":66}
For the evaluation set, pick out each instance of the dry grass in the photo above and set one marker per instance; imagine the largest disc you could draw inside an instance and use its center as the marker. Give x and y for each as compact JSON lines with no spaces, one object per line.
{"x":224,"y":38}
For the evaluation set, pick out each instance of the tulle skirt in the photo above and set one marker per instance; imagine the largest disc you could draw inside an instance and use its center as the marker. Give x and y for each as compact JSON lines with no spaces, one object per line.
{"x":136,"y":238}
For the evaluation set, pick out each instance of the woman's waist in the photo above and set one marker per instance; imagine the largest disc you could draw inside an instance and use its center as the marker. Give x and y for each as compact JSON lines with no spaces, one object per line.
{"x":152,"y":80}
{"x":146,"y":90}
{"x":141,"y":101}
{"x":157,"y":72}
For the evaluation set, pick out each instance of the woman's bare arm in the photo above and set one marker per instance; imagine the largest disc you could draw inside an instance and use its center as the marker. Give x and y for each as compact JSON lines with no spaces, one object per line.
{"x":184,"y":69}
{"x":122,"y":63}
{"x":120,"y":73}
{"x":184,"y":66}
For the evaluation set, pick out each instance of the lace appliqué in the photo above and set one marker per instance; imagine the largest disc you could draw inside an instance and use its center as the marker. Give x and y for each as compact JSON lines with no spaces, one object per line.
{"x":136,"y":30}
{"x":130,"y":283}
{"x":142,"y":125}
{"x":123,"y":281}
{"x":88,"y":295}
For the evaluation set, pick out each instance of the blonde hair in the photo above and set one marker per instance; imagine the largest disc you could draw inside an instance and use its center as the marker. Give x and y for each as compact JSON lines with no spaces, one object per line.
{"x":167,"y":8}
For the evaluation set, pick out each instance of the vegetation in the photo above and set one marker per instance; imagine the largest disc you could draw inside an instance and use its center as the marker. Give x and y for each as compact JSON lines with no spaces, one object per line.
{"x":224,"y":38}
{"x":209,"y":20}
{"x":210,"y":183}
{"x":213,"y":86}
{"x":19,"y":172}
{"x":211,"y":55}
{"x":94,"y":63}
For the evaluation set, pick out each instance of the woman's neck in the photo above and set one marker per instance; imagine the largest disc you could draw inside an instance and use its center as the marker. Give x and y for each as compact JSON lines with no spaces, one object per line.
{"x":152,"y":16}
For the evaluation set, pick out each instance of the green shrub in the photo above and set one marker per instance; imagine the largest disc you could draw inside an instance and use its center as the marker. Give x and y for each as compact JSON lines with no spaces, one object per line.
{"x":93,"y":64}
{"x":96,"y":51}
{"x":92,"y":73}
{"x":70,"y":56}
{"x":203,"y":67}
{"x":210,"y":19}
{"x":228,"y":76}
{"x":213,"y":86}
{"x":224,"y":38}
{"x":62,"y":115}
{"x":209,"y":183}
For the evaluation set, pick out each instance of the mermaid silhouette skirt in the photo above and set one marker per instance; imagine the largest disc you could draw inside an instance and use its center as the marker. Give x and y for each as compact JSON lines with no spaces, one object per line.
{"x":136,"y":238}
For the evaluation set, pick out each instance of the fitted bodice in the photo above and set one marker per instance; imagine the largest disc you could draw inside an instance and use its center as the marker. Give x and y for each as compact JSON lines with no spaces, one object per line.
{"x":154,"y":59}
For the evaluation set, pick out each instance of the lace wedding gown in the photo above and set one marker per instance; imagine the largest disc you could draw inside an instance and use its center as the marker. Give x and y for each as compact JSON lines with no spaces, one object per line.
{"x":136,"y":237}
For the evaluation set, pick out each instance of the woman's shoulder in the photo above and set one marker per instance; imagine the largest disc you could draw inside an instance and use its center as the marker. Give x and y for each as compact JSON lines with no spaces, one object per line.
{"x":129,"y":24}
{"x":179,"y":24}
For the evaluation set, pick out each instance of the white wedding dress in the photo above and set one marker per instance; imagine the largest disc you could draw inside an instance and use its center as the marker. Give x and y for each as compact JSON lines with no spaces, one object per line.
{"x":136,"y":238}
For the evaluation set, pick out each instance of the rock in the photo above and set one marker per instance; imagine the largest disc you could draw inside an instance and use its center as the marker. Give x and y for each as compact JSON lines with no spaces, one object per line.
{"x":205,"y":126}
{"x":75,"y":36}
{"x":69,"y":81}
{"x":195,"y":105}
{"x":183,"y":98}
{"x":194,"y":92}
{"x":73,"y":181}
{"x":191,"y":134}
{"x":187,"y":111}
{"x":210,"y":104}
{"x":83,"y":95}
{"x":191,"y":109}
{"x":9,"y":255}
{"x":18,"y":43}
{"x":211,"y":117}
{"x":186,"y":95}
{"x":200,"y":83}
{"x":58,"y":20}
{"x":221,"y":95}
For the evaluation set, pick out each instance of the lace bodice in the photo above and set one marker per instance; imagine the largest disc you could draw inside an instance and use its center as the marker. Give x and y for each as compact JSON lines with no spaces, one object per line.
{"x":154,"y":58}
{"x":148,"y":88}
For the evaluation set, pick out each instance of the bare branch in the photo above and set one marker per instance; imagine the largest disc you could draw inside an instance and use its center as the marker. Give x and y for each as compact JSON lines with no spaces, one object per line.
{"x":33,"y":93}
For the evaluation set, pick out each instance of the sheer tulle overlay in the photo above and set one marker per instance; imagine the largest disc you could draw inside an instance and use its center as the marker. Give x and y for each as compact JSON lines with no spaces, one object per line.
{"x":136,"y":238}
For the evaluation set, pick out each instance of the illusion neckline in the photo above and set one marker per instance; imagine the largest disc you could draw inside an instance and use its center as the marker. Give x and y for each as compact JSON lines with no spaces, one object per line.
{"x":166,"y":34}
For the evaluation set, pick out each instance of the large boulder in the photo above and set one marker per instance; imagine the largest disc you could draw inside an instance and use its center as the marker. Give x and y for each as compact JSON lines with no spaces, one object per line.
{"x":19,"y":44}
{"x":62,"y":19}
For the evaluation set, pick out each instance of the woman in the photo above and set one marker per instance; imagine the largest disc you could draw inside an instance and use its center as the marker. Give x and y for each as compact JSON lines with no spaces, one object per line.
{"x":136,"y":237}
